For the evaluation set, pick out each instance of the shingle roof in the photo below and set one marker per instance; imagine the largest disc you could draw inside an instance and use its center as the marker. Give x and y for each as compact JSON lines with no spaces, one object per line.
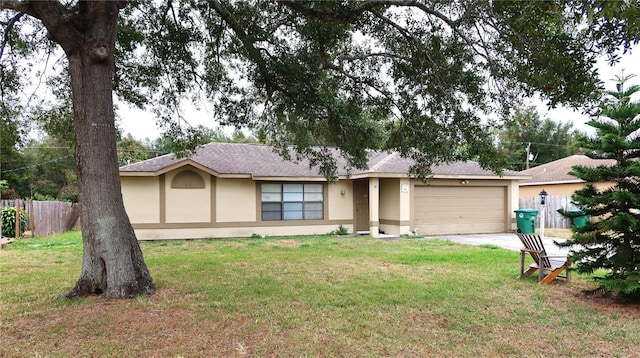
{"x":257,"y":160}
{"x":558,"y":170}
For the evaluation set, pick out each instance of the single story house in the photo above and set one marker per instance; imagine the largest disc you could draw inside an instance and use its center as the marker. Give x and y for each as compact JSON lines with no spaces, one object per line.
{"x":237,"y":190}
{"x":555,"y":179}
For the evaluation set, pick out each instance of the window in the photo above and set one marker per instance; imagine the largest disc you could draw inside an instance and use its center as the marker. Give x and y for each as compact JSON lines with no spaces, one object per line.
{"x":292,"y":202}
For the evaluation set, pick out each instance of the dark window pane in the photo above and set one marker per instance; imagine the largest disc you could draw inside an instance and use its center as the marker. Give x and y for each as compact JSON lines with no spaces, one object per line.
{"x":272,"y":207}
{"x":271,"y":215}
{"x":312,"y":206}
{"x":313,"y":215}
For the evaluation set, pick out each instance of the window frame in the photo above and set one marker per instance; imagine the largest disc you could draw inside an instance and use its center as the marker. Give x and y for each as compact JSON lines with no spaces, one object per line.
{"x":297,"y":201}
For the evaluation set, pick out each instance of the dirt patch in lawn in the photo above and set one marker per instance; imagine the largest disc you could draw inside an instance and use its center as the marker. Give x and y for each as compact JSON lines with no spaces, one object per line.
{"x":178,"y":324}
{"x":162,"y":325}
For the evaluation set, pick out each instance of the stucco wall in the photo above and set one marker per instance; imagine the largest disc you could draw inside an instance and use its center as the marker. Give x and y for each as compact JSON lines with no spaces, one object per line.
{"x":340,"y":206}
{"x":530,"y":191}
{"x":236,"y":200}
{"x":390,"y":199}
{"x":236,"y":212}
{"x":188,"y":205}
{"x":141,"y":197}
{"x":395,"y":206}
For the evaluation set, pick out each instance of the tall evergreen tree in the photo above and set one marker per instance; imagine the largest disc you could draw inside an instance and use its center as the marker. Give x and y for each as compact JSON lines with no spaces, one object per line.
{"x":612,"y":242}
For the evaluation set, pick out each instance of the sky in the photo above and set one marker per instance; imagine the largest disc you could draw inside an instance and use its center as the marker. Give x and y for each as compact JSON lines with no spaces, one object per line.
{"x":630,"y":63}
{"x":141,"y":124}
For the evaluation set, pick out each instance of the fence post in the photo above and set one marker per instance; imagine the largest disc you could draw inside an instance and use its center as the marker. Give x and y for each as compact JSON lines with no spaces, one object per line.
{"x":32,"y":221}
{"x":17,"y":233}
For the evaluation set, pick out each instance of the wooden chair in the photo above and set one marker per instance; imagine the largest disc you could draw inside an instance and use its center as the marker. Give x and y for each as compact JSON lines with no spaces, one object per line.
{"x":552,"y":264}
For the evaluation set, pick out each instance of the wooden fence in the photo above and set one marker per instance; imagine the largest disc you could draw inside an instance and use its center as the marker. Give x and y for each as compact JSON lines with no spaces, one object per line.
{"x":553,"y":219}
{"x":48,"y":217}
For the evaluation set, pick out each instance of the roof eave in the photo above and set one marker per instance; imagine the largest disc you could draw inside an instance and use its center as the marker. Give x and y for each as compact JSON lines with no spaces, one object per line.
{"x":480,"y":177}
{"x":576,"y":181}
{"x":168,"y":168}
{"x":287,"y":178}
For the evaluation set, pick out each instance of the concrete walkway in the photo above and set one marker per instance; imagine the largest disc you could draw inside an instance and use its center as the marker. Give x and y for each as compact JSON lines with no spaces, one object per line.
{"x":505,"y":240}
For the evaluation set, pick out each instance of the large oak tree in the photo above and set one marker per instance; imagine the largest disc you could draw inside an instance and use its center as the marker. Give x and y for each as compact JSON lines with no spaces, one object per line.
{"x":411,"y":76}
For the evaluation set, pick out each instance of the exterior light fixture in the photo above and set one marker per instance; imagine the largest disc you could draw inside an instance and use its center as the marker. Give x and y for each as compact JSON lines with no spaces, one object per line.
{"x":543,"y":200}
{"x":543,"y":197}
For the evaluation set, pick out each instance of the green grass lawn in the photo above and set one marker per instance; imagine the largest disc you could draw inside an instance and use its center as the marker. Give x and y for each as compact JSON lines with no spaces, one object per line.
{"x":306,"y":296}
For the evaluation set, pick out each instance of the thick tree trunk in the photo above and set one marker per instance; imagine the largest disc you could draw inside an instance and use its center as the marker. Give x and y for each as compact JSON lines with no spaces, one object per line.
{"x":112,"y":262}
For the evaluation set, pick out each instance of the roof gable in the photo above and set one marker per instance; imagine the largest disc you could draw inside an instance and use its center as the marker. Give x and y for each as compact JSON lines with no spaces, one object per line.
{"x":558,"y":170}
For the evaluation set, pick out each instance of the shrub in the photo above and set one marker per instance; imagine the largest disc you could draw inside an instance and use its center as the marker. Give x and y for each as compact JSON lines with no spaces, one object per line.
{"x":8,"y":216}
{"x":342,"y":230}
{"x":41,"y":197}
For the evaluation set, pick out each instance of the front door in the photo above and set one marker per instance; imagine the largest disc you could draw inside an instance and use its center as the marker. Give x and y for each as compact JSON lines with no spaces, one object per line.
{"x":361,"y":197}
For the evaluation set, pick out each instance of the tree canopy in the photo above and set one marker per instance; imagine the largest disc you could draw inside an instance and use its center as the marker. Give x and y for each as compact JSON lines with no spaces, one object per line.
{"x":527,"y":141}
{"x":332,"y":73}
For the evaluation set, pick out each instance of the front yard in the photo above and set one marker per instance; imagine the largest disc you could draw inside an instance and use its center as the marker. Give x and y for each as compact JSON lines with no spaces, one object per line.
{"x":306,"y":296}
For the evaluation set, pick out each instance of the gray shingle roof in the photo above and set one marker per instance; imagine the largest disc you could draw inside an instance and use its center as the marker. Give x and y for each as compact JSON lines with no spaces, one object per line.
{"x":558,"y":170}
{"x":261,"y":161}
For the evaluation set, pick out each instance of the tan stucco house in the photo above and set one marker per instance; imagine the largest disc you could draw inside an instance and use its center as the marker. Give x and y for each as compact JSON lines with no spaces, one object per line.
{"x":236,"y":190}
{"x":555,"y":179}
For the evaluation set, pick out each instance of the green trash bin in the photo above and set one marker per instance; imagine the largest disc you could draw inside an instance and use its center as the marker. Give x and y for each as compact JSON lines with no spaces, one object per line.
{"x":579,"y":221}
{"x":526,"y":220}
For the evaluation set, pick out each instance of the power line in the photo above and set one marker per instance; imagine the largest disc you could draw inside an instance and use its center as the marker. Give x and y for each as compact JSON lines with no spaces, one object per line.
{"x":541,"y":144}
{"x":37,"y":164}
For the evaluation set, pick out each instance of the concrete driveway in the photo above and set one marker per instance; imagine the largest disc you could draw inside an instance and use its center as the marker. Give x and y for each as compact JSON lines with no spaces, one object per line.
{"x":505,"y":240}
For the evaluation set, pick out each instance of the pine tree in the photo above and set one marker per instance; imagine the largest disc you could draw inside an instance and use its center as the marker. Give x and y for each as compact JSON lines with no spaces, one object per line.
{"x":612,"y":241}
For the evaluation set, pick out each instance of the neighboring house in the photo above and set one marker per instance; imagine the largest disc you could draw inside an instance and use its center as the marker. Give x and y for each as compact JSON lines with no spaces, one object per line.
{"x":236,"y":190}
{"x":555,"y":179}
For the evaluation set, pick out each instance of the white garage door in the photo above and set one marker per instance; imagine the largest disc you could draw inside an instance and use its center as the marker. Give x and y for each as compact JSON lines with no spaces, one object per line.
{"x":439,"y":210}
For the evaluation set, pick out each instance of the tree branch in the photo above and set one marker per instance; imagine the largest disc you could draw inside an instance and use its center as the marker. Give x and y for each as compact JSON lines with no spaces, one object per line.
{"x":59,"y":21}
{"x":19,"y":6}
{"x":7,"y":31}
{"x":252,"y":52}
{"x":363,"y":7}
